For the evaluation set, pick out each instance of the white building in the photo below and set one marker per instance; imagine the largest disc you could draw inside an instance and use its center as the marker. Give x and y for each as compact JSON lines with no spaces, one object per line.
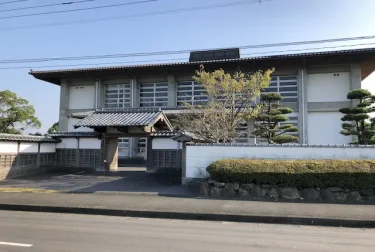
{"x":314,"y":85}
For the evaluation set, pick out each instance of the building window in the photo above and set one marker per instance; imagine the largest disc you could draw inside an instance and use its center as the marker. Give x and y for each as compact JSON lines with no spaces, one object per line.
{"x":292,"y":120}
{"x":191,"y":92}
{"x":243,"y":137}
{"x":141,"y":145}
{"x":117,"y":96}
{"x":123,"y":146}
{"x":286,"y":86}
{"x":154,"y":94}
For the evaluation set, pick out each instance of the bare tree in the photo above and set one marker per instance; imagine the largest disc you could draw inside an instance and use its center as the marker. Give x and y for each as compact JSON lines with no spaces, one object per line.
{"x":231,"y":103}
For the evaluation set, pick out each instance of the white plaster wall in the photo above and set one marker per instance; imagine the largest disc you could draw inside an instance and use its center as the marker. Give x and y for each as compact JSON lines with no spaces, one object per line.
{"x":29,"y":148}
{"x":325,"y":127}
{"x":327,"y":87}
{"x":199,"y":157}
{"x":47,"y":148}
{"x":82,"y":97}
{"x":89,"y":143}
{"x":72,"y":122}
{"x":67,"y":143}
{"x":8,"y":147}
{"x":165,"y":144}
{"x":369,"y":84}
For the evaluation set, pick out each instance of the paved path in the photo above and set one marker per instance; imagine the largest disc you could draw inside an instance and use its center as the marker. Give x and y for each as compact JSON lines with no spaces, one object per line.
{"x":125,"y":180}
{"x":58,"y":232}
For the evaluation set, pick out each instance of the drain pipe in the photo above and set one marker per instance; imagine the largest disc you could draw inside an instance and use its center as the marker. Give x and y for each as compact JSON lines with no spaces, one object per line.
{"x":96,"y":94}
{"x":303,"y":107}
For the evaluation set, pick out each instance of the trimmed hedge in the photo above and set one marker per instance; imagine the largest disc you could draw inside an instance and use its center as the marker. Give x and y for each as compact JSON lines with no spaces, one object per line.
{"x":349,"y":174}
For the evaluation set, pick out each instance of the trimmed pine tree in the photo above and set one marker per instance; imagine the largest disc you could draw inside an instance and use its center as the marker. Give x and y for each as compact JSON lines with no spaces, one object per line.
{"x":357,"y":121}
{"x":271,"y":114}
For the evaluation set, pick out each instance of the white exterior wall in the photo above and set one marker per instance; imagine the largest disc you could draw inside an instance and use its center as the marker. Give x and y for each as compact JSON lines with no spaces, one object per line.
{"x":72,"y":122}
{"x":89,"y":143}
{"x":67,"y":143}
{"x":199,"y":157}
{"x":369,"y":84}
{"x":47,"y":148}
{"x":8,"y":147}
{"x":325,"y":127}
{"x":82,"y":97}
{"x":165,"y":144}
{"x":328,"y":87}
{"x":29,"y":148}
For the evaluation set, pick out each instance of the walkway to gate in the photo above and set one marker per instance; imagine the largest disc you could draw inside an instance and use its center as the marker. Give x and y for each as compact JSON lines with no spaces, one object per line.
{"x":124,"y":180}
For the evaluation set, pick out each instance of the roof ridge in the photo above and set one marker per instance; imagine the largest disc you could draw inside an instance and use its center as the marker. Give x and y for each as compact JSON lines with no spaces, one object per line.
{"x":268,"y":56}
{"x":21,"y":135}
{"x":27,"y":138}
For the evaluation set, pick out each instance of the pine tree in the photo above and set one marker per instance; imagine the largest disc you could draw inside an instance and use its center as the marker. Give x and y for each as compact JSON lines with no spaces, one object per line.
{"x":271,"y":114}
{"x":356,"y":119}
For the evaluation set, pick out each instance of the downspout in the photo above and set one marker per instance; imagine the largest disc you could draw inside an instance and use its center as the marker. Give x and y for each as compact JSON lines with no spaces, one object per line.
{"x":303,"y":107}
{"x":132,"y":92}
{"x":131,"y":139}
{"x":96,"y":94}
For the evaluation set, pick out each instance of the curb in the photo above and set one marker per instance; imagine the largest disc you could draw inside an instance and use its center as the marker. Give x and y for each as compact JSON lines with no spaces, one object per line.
{"x":194,"y":216}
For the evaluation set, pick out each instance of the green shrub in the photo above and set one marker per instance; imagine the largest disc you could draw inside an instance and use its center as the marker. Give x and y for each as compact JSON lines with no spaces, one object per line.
{"x":350,"y":174}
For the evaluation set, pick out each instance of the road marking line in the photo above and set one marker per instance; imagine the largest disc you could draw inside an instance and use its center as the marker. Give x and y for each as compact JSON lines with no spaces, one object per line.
{"x":16,"y":244}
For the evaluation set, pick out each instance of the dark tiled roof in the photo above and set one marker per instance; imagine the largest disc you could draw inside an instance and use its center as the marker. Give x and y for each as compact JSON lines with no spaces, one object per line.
{"x":164,"y":133}
{"x":166,"y":110}
{"x":74,"y":134}
{"x":81,"y":115}
{"x":118,"y":118}
{"x":28,"y":138}
{"x":186,"y":136}
{"x":269,"y":57}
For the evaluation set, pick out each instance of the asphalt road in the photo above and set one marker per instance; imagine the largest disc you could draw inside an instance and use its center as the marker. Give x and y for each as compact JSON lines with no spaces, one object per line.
{"x":23,"y":231}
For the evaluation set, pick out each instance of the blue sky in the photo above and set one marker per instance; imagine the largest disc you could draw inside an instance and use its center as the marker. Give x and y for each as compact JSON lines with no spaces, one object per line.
{"x":269,"y":22}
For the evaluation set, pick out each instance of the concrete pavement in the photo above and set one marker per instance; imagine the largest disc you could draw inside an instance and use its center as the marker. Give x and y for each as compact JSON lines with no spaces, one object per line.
{"x":60,"y":232}
{"x":124,"y":180}
{"x":193,"y":208}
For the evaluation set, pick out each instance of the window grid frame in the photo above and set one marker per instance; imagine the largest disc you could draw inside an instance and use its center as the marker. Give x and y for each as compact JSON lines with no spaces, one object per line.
{"x":154,"y":92}
{"x":121,"y":89}
{"x":193,"y":87}
{"x":141,"y":145}
{"x":278,"y":86}
{"x":123,"y":148}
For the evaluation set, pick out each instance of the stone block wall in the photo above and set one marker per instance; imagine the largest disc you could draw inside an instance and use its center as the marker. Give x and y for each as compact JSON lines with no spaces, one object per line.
{"x":214,"y":189}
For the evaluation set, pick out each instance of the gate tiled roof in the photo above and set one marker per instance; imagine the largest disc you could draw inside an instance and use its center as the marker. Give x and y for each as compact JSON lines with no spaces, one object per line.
{"x":123,"y":118}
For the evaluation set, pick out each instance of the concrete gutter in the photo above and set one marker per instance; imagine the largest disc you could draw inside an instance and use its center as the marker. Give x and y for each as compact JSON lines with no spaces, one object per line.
{"x":345,"y":215}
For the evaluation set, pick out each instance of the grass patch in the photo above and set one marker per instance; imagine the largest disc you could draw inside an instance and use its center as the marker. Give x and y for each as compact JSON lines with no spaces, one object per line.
{"x":25,"y":190}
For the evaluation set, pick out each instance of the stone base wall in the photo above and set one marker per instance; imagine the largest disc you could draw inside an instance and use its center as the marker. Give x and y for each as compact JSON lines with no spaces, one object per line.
{"x":215,"y":189}
{"x":23,"y":164}
{"x":13,"y":165}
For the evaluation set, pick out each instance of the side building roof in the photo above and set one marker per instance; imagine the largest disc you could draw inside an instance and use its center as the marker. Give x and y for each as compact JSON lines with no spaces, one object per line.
{"x":27,"y":138}
{"x":80,"y":134}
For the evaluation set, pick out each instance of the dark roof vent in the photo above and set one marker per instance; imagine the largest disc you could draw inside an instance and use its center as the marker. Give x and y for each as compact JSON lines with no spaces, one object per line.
{"x":219,"y":54}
